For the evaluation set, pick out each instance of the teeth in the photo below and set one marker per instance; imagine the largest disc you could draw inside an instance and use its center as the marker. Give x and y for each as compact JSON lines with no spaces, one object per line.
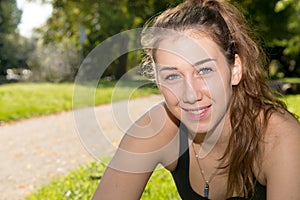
{"x":196,"y":112}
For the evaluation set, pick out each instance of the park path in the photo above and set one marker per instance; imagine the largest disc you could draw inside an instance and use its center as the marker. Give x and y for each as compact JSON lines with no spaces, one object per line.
{"x":34,"y":151}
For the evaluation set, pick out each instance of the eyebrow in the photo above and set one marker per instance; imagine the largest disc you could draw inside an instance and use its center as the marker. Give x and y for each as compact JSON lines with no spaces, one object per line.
{"x":164,"y":68}
{"x":204,"y":61}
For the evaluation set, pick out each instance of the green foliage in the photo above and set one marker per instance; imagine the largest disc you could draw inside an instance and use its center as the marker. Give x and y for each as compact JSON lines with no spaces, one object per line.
{"x":10,"y":16}
{"x":278,"y":28}
{"x":88,"y":23}
{"x":54,"y":62}
{"x":11,"y":55}
{"x":268,"y":23}
{"x":291,"y":43}
{"x":282,"y":5}
{"x":85,"y":24}
{"x":98,"y":19}
{"x":19,"y":101}
{"x":82,"y":183}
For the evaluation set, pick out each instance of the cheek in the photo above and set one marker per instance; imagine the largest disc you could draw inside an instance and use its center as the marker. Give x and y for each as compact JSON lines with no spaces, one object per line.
{"x":171,"y":94}
{"x":220,"y":90}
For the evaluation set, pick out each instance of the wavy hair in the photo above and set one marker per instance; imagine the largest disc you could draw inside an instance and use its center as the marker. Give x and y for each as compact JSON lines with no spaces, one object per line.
{"x":253,"y":101}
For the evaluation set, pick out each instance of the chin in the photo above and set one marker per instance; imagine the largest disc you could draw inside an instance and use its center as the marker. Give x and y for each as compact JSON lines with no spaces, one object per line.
{"x":196,"y":128}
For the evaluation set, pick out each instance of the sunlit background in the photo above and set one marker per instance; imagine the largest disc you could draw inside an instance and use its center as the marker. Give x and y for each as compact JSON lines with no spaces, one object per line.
{"x":34,"y":15}
{"x":42,"y":45}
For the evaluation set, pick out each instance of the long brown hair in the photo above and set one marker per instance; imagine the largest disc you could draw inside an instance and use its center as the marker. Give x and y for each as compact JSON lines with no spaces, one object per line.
{"x":252,"y":102}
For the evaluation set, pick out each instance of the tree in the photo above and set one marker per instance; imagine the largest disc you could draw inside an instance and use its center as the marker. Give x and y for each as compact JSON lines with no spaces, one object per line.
{"x":99,"y":20}
{"x":53,"y":62}
{"x":10,"y":17}
{"x":277,"y":24}
{"x":291,"y":44}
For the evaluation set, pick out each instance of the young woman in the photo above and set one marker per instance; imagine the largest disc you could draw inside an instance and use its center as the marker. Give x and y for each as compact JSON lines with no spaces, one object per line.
{"x":220,"y":132}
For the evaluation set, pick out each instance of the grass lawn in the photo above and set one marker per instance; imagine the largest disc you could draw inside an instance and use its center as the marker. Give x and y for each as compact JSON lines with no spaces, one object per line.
{"x":25,"y":100}
{"x":82,"y":183}
{"x":293,"y":104}
{"x":291,"y":80}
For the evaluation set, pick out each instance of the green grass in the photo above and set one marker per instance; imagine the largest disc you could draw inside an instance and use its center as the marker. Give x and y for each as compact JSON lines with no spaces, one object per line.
{"x":78,"y":184}
{"x":25,"y":100}
{"x":82,"y":183}
{"x":291,"y":80}
{"x":160,"y":186}
{"x":293,"y":103}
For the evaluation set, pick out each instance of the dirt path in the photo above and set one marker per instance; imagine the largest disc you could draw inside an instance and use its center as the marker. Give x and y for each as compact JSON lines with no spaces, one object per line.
{"x":34,"y":151}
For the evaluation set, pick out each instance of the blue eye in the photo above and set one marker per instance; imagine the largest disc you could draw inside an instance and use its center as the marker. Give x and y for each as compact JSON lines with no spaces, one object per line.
{"x":172,"y":77}
{"x":205,"y":70}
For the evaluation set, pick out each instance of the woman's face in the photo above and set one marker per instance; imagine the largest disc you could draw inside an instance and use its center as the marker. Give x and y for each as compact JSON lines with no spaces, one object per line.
{"x":196,"y":81}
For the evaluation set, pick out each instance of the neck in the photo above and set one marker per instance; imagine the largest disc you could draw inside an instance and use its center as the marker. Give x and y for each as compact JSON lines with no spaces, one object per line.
{"x":216,"y":139}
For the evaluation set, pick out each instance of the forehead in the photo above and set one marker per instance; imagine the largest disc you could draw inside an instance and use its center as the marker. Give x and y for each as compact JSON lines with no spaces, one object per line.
{"x":191,"y":49}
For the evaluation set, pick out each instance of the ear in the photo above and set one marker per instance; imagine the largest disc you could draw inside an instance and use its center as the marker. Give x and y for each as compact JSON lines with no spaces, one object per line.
{"x":236,"y":71}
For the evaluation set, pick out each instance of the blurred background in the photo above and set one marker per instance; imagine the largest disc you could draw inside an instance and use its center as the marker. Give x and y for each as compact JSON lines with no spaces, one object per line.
{"x":65,"y":31}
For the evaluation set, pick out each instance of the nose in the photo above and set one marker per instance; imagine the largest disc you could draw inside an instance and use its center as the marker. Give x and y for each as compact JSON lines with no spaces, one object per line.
{"x":192,"y":90}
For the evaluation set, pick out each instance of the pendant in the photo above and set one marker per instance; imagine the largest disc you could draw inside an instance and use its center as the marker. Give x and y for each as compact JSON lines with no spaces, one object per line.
{"x":206,"y":189}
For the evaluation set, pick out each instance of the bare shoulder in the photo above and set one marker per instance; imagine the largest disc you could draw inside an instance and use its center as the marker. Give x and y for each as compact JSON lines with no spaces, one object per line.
{"x":154,"y":135}
{"x":282,"y":128}
{"x":149,"y":141}
{"x":281,"y":161}
{"x":157,"y":120}
{"x":158,"y":125}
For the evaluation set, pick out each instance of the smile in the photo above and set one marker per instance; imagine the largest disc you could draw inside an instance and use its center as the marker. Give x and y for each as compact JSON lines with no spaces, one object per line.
{"x":198,"y":113}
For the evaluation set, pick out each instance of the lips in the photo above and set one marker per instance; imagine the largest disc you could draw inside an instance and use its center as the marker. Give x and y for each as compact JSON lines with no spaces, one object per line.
{"x":197,"y":113}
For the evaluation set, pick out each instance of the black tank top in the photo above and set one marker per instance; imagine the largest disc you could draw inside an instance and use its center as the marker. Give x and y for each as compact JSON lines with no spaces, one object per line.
{"x":181,"y":175}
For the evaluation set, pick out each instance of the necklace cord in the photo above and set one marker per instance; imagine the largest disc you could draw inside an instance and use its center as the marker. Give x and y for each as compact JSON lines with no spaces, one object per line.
{"x":206,"y":182}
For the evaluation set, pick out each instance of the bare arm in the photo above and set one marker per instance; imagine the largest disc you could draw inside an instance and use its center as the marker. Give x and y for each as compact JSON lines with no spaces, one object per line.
{"x":282,"y":158}
{"x":150,"y":141}
{"x":120,"y":185}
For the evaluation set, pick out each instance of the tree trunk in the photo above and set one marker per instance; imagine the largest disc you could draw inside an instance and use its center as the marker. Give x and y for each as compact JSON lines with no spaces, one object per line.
{"x":122,"y":60}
